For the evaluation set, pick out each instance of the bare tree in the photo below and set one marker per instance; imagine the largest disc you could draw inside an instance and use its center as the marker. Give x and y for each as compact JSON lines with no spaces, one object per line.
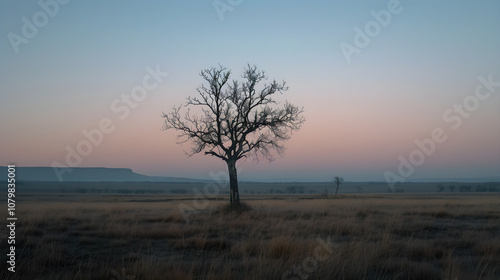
{"x":237,"y":120}
{"x":337,"y":180}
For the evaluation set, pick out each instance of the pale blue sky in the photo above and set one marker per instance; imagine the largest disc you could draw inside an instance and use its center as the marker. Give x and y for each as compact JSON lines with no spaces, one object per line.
{"x":360,"y":116}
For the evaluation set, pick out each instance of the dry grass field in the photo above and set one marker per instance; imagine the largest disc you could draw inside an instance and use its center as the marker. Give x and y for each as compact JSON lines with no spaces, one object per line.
{"x":356,"y":236}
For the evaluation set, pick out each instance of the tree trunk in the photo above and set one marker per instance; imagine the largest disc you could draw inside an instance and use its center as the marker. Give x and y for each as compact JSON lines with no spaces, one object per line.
{"x":337,"y":190}
{"x":233,"y":183}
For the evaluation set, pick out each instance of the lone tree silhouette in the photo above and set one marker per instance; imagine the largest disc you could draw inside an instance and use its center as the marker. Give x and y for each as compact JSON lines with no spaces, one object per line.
{"x":337,"y":180}
{"x":236,"y":119}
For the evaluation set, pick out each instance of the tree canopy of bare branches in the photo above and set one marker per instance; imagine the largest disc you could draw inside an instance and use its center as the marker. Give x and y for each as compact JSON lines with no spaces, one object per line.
{"x":237,"y":119}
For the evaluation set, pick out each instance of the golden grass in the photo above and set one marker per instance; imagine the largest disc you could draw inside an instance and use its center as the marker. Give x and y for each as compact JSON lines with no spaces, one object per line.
{"x":375,"y":237}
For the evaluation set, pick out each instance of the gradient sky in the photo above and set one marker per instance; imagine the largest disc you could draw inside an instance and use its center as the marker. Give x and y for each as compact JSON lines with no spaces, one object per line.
{"x":360,"y":116}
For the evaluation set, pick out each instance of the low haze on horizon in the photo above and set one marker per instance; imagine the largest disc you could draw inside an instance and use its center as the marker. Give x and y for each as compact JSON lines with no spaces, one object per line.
{"x":403,"y":86}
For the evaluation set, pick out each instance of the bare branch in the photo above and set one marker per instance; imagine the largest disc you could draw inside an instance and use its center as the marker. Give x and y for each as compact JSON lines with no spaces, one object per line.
{"x":237,"y":118}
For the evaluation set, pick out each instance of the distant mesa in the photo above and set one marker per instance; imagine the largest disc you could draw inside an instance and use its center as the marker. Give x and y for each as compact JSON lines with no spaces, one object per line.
{"x":88,"y":174}
{"x":102,"y":174}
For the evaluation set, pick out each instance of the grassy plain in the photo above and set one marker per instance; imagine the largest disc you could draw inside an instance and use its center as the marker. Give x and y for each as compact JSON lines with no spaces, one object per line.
{"x":369,"y":236}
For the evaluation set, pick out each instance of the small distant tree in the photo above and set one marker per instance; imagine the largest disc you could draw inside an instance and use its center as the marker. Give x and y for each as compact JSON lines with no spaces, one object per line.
{"x":440,"y":188}
{"x":452,"y":188}
{"x":337,"y":180}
